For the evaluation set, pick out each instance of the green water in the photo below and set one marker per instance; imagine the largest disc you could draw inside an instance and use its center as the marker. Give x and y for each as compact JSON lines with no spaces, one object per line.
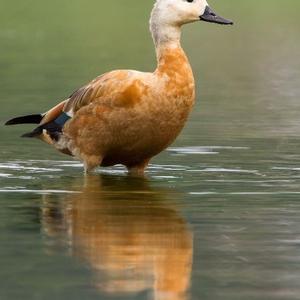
{"x":218,"y":216}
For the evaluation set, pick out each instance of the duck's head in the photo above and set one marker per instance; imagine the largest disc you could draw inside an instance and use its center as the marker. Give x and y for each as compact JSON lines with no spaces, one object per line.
{"x":180,"y":12}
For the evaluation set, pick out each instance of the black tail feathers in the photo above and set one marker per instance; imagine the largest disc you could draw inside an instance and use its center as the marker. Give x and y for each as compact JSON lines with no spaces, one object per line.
{"x":53,"y":129}
{"x":30,"y":119}
{"x":36,"y":132}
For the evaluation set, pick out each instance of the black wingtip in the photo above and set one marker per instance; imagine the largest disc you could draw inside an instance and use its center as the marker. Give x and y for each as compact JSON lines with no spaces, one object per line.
{"x":28,"y":135}
{"x":36,"y":132}
{"x":8,"y":123}
{"x":30,"y":119}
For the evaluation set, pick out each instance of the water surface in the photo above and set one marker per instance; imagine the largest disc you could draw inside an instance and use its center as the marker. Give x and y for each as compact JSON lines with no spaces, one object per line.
{"x":218,"y":215}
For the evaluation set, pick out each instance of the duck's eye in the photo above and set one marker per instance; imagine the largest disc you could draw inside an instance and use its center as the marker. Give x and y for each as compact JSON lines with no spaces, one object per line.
{"x":190,"y":1}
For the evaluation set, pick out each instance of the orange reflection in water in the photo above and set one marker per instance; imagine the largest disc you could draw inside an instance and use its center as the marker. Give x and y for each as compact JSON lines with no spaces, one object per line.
{"x":128,"y":233}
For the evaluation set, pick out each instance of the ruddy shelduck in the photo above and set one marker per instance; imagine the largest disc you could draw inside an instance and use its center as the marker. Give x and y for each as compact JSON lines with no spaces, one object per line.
{"x":128,"y":117}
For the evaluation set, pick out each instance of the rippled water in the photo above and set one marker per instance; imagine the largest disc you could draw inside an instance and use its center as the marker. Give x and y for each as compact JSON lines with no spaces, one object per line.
{"x":209,"y":227}
{"x":217,"y":216}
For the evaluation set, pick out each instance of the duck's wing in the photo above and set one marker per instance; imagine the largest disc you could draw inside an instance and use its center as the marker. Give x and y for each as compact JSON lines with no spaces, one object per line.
{"x":115,"y":89}
{"x":109,"y":88}
{"x":53,"y":113}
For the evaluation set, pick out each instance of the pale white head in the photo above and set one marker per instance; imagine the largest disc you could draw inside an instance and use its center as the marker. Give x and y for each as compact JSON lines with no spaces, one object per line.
{"x":169,"y":15}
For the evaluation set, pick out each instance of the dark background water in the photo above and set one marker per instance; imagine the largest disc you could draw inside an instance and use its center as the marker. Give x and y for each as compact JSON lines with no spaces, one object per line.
{"x":218,"y":216}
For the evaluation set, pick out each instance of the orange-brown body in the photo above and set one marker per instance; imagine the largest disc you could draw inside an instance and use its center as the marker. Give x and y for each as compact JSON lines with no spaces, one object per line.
{"x":127,"y":117}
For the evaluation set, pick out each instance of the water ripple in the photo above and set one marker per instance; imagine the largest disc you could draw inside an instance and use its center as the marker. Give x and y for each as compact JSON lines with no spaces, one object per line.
{"x":203,"y":149}
{"x":246,"y":193}
{"x":19,"y":167}
{"x":40,"y":192}
{"x":4,"y":175}
{"x":224,"y":170}
{"x":286,"y":168}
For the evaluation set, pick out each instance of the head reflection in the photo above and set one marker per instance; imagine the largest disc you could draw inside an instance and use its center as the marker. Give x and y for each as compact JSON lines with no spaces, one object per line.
{"x":129,"y":235}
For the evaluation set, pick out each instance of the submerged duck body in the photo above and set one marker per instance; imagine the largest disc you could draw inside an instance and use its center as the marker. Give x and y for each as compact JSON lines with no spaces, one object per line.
{"x":127,"y":117}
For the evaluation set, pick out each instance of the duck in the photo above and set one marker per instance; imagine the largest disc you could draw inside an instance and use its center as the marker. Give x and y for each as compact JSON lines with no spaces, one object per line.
{"x":127,"y":117}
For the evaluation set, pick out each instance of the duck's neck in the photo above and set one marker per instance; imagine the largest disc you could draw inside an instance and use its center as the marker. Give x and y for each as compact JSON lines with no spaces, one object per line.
{"x":164,"y":35}
{"x":170,"y":55}
{"x":171,"y":60}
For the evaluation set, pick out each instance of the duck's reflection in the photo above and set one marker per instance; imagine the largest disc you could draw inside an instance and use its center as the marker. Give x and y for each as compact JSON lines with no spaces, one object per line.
{"x":129,"y":234}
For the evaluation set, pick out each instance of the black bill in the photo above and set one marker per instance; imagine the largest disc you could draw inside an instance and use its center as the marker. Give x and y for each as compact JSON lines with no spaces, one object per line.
{"x":210,"y":16}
